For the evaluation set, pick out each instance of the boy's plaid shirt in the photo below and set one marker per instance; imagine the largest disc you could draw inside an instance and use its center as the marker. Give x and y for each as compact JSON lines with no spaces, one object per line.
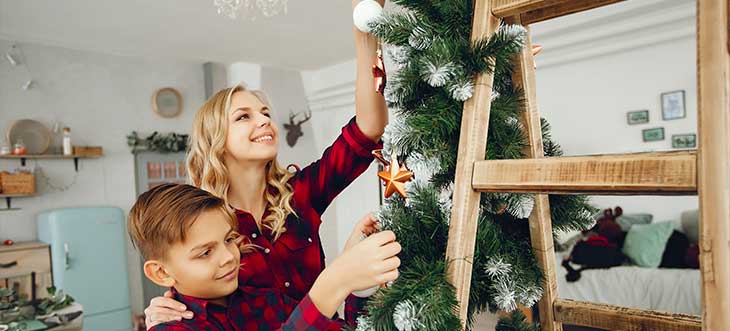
{"x":240,"y":316}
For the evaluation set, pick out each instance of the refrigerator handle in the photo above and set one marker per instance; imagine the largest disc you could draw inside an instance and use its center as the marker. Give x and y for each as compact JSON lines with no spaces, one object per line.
{"x":8,"y":265}
{"x":66,"y":258}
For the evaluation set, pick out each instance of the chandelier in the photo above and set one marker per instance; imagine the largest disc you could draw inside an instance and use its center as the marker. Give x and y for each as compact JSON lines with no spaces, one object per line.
{"x":251,"y":8}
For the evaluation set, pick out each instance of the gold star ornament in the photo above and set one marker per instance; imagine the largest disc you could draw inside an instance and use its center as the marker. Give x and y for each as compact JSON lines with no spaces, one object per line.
{"x":395,"y":177}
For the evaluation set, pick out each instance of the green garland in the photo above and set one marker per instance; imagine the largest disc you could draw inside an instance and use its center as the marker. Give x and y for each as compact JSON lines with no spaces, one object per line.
{"x":13,"y":308}
{"x":156,"y":142}
{"x":437,"y":64}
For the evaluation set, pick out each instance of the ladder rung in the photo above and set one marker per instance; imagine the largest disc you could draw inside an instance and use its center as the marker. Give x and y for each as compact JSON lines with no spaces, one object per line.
{"x":611,"y":317}
{"x":661,"y":173}
{"x":540,"y":10}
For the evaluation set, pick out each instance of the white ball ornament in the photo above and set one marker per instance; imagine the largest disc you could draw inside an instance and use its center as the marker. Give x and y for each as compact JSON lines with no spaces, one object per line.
{"x":366,"y":12}
{"x":366,"y":293}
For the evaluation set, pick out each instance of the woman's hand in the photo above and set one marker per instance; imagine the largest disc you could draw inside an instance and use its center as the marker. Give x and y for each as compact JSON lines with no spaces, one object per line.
{"x":364,"y":228}
{"x":164,"y":309}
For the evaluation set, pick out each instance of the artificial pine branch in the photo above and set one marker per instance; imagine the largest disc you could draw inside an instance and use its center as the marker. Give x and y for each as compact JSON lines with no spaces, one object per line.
{"x":425,"y":7}
{"x":425,"y":284}
{"x":517,"y":321}
{"x":395,"y":28}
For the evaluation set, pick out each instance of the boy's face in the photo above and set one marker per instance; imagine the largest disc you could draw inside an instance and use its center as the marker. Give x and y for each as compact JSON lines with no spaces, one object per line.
{"x":206,"y":264}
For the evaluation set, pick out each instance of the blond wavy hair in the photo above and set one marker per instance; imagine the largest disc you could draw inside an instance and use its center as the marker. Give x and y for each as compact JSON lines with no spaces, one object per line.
{"x":208,"y":171}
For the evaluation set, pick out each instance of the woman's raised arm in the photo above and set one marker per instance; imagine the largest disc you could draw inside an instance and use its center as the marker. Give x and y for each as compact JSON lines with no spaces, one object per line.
{"x":370,"y":108}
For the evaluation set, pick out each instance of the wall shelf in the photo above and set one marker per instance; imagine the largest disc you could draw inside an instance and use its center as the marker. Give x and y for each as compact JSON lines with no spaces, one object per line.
{"x":9,"y":198}
{"x":23,"y":158}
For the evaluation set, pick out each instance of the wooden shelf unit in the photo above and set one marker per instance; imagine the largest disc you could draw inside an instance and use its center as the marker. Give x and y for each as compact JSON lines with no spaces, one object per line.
{"x":9,"y":198}
{"x":23,"y":158}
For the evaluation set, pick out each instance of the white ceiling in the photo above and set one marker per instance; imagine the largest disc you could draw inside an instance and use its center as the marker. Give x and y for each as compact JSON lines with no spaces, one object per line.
{"x":314,"y":33}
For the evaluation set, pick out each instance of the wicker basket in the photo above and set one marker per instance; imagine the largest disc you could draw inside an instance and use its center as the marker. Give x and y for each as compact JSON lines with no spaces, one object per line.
{"x":22,"y":182}
{"x":88,"y":151}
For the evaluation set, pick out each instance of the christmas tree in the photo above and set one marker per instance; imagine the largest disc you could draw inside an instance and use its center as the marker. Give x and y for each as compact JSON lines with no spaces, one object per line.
{"x":437,"y":64}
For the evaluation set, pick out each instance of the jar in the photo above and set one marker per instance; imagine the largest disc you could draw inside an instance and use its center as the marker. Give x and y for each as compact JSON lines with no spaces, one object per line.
{"x":67,"y":148}
{"x":20,"y":148}
{"x":5,"y":149}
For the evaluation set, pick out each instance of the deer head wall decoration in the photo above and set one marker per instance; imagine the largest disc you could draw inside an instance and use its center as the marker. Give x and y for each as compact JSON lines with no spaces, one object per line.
{"x":294,"y":128}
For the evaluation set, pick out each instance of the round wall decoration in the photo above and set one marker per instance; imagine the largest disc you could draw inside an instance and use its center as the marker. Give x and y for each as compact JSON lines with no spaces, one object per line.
{"x":167,"y":102}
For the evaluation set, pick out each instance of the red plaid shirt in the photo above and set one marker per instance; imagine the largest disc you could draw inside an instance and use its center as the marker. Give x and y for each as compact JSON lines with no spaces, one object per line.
{"x":292,"y":263}
{"x":239,"y":316}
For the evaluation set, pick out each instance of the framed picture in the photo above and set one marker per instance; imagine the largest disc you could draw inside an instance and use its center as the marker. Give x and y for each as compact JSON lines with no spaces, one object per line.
{"x":655,"y":134}
{"x":688,"y":140}
{"x":637,"y":117}
{"x":673,"y":105}
{"x":167,"y":102}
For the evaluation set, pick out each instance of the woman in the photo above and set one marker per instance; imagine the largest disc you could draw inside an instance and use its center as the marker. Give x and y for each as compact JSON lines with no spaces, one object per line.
{"x":233,"y":155}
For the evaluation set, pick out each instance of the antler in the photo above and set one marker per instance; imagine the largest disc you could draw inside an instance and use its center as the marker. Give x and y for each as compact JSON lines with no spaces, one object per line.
{"x":307,"y":116}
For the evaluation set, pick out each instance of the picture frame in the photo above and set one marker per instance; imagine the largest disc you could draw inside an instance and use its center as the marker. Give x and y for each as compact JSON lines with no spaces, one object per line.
{"x":653,"y":134}
{"x":167,"y":102}
{"x":637,"y":117}
{"x":673,"y":105}
{"x":687,"y":140}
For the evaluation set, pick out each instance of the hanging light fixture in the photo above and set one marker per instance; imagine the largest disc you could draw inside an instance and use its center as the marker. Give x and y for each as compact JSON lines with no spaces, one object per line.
{"x":252,"y":8}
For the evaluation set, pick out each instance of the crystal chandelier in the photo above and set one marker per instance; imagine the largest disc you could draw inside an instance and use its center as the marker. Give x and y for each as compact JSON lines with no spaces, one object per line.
{"x":251,"y":8}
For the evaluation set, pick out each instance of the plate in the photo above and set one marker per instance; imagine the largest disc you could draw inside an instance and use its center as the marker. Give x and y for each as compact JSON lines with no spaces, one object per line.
{"x":34,"y":135}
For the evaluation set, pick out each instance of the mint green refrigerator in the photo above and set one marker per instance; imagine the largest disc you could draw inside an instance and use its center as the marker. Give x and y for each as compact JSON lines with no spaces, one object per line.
{"x":89,"y":262}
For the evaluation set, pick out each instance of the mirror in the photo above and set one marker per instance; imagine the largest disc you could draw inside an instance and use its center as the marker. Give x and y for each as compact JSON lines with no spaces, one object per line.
{"x":610,"y":81}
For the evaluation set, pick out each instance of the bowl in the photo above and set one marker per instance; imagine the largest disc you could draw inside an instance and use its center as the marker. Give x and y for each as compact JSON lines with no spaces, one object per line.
{"x":35,"y":136}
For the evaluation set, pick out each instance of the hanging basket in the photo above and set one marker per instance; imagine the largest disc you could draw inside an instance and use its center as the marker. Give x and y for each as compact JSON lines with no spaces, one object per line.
{"x":21,"y":182}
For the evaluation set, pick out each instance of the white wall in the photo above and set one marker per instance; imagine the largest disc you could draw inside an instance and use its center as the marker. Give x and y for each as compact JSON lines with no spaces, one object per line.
{"x":248,"y":73}
{"x":101,"y":98}
{"x":331,"y":96}
{"x":597,"y":66}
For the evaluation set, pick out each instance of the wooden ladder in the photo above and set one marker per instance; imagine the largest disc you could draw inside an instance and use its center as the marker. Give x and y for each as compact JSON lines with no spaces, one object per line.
{"x":705,"y":172}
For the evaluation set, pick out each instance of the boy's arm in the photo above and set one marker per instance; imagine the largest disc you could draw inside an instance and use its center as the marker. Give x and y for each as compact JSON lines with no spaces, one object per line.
{"x":368,"y":263}
{"x":316,"y":310}
{"x":172,"y":326}
{"x":354,"y":307}
{"x":306,"y":316}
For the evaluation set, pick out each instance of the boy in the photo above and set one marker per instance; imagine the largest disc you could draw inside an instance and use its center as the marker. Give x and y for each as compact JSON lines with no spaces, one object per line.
{"x":188,"y":239}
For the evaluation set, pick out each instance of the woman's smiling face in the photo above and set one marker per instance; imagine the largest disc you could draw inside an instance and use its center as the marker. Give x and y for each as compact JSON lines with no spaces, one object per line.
{"x":252,"y":136}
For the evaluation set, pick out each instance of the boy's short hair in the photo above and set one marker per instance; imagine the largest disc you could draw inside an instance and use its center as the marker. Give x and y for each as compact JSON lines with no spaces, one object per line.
{"x":161,"y":216}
